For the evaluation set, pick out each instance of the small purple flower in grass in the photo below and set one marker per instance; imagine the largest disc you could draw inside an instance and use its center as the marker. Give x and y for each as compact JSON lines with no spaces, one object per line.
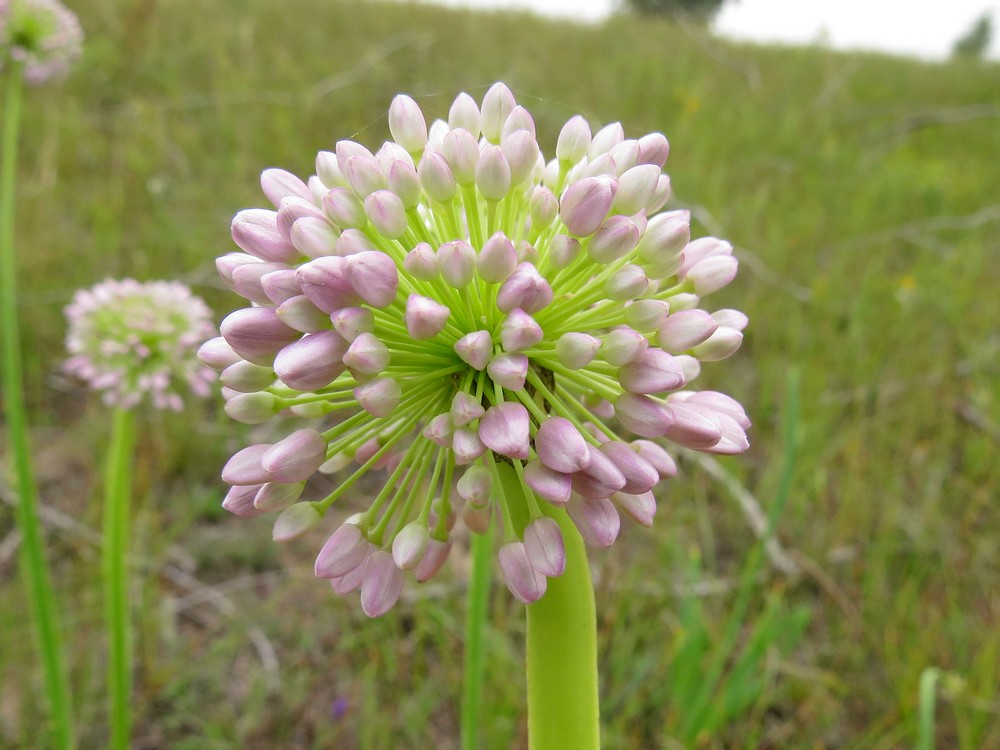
{"x":137,"y":341}
{"x":42,"y":35}
{"x":450,"y":303}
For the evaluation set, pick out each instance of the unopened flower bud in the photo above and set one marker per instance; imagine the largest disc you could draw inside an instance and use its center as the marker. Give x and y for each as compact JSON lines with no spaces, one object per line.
{"x":628,"y":282}
{"x":508,"y":370}
{"x":437,"y":177}
{"x":244,"y":468}
{"x":246,"y":377}
{"x":563,"y":250}
{"x":646,"y":314}
{"x":257,"y":334}
{"x":475,"y":485}
{"x":606,"y":139}
{"x":711,"y":274}
{"x":685,"y":329}
{"x":524,"y":582}
{"x":576,"y":350}
{"x":410,"y":544}
{"x":296,"y":457}
{"x":635,"y":188}
{"x":548,"y":484}
{"x":367,"y":354}
{"x":312,"y":362}
{"x":519,"y":331}
{"x":425,"y":318}
{"x":543,"y":207}
{"x":467,"y":445}
{"x":574,"y":140}
{"x":381,"y":585}
{"x":493,"y":176}
{"x":504,"y":430}
{"x":722,"y":344}
{"x":344,"y":208}
{"x":255,"y":231}
{"x":465,"y":409}
{"x":295,"y":521}
{"x":561,"y":447}
{"x":379,"y":397}
{"x":277,"y":495}
{"x":597,"y":520}
{"x":586,"y":203}
{"x":457,"y":261}
{"x":497,"y":105}
{"x":475,"y":349}
{"x":407,"y":124}
{"x":543,"y":542}
{"x":497,"y":260}
{"x":386,"y":212}
{"x":464,"y":113}
{"x":462,"y":152}
{"x":342,"y":553}
{"x":422,"y":263}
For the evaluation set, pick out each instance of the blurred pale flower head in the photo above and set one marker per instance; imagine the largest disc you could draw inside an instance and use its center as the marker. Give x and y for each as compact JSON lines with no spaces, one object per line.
{"x":133,"y":341}
{"x":43,"y":35}
{"x":465,"y":316}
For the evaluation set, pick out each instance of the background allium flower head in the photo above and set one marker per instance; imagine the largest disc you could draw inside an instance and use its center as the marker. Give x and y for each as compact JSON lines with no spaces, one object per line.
{"x":42,"y":34}
{"x":452,"y":308}
{"x":133,"y":340}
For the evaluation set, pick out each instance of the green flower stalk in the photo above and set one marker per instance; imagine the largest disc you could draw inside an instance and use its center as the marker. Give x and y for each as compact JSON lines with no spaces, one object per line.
{"x":508,"y":339}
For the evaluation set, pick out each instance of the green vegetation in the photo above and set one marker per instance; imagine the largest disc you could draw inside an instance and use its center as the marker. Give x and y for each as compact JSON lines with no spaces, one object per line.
{"x":861,"y":193}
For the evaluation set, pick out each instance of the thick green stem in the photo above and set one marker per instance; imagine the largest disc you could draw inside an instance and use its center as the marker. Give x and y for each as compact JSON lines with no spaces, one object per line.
{"x":117,"y":502}
{"x":33,"y":564}
{"x":477,"y":610}
{"x":563,"y":709}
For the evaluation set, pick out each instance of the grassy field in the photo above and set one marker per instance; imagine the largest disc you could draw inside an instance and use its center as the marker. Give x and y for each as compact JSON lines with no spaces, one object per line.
{"x":861,"y":192}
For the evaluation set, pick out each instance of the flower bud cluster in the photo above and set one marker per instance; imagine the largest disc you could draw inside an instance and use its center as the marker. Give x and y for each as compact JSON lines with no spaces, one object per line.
{"x":132,"y":340}
{"x":42,"y":35}
{"x":461,"y":314}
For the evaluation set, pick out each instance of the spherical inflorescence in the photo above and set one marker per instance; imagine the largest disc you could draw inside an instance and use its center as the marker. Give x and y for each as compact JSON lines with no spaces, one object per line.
{"x":43,"y":35}
{"x":458,"y":313}
{"x":133,"y":340}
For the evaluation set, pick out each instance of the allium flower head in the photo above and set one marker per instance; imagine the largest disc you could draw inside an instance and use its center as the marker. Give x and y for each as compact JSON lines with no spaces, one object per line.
{"x":44,"y":35}
{"x":452,"y":310}
{"x":133,"y":340}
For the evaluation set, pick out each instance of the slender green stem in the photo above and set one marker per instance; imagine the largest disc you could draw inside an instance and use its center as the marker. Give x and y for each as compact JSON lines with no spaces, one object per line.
{"x":33,"y":564}
{"x":117,"y":503}
{"x":563,"y":709}
{"x":477,"y":610}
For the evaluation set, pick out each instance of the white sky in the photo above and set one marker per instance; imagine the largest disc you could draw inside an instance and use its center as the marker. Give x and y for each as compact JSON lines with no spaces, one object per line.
{"x":926,"y":28}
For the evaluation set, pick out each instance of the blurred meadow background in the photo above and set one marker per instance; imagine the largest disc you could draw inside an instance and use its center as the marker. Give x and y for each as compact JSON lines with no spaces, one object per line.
{"x":862,"y":193}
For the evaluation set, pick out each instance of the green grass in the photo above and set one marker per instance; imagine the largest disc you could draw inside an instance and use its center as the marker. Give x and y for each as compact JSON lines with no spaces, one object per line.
{"x":869,"y":238}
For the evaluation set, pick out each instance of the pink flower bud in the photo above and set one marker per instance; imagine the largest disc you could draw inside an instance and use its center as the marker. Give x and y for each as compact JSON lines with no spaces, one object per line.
{"x":666,"y":236}
{"x":702,"y":248}
{"x":381,"y":585}
{"x":731,"y":319}
{"x":256,"y":334}
{"x":379,"y":397}
{"x":351,"y":581}
{"x":477,"y":518}
{"x":497,"y":260}
{"x":425,"y":318}
{"x":660,"y":196}
{"x":519,"y":331}
{"x":324,"y":281}
{"x":625,"y":155}
{"x":640,"y":476}
{"x":646,"y":314}
{"x":346,"y":149}
{"x":437,"y":177}
{"x":295,"y":522}
{"x":518,"y":119}
{"x":312,"y":362}
{"x":693,"y":425}
{"x":635,"y":188}
{"x":464,"y":113}
{"x":278,"y":184}
{"x":642,"y":415}
{"x":656,"y":456}
{"x":508,"y":370}
{"x":576,"y":350}
{"x":525,"y":288}
{"x":720,"y":402}
{"x":601,"y":477}
{"x":563,"y":251}
{"x":279,"y":285}
{"x":497,"y":105}
{"x":467,"y":445}
{"x":296,"y":457}
{"x":252,"y":408}
{"x":628,"y":282}
{"x":596,"y":519}
{"x":277,"y":495}
{"x":524,"y":582}
{"x":244,"y":278}
{"x":255,"y":231}
{"x":302,"y":315}
{"x":722,"y":344}
{"x":603,"y":165}
{"x":685,"y":329}
{"x":622,"y":345}
{"x":217,"y":354}
{"x":614,"y":239}
{"x":351,"y":322}
{"x":574,"y":140}
{"x":457,"y":261}
{"x":640,"y":507}
{"x":244,"y":468}
{"x":543,"y":542}
{"x":407,"y":124}
{"x":561,"y":447}
{"x":328,"y":170}
{"x":606,"y":139}
{"x":462,"y":152}
{"x":239,"y":501}
{"x":403,"y":180}
{"x":475,"y":349}
{"x":342,"y":553}
{"x":465,"y":409}
{"x":433,"y":559}
{"x":734,"y":437}
{"x":521,"y":151}
{"x":344,"y":208}
{"x":690,"y":366}
{"x":439,"y":430}
{"x":386,"y":212}
{"x":373,"y":276}
{"x":313,"y":237}
{"x":586,"y":203}
{"x":652,"y":371}
{"x":422,"y":263}
{"x":410,"y":544}
{"x":246,"y":377}
{"x":548,"y":484}
{"x":543,"y":207}
{"x":475,"y":485}
{"x":711,"y":274}
{"x":367,"y":354}
{"x":364,"y":175}
{"x":493,"y":176}
{"x":654,"y":149}
{"x":504,"y":430}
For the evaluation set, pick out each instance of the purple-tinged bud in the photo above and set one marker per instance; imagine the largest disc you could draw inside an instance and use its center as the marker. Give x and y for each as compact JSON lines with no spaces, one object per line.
{"x":628,"y":282}
{"x":386,"y":212}
{"x":543,"y":541}
{"x":246,"y":377}
{"x":374,"y":277}
{"x":379,"y":397}
{"x":701,"y":249}
{"x":519,"y":119}
{"x":437,"y":177}
{"x":475,"y":349}
{"x":279,"y":285}
{"x":410,"y":544}
{"x":302,"y":315}
{"x":407,"y":124}
{"x":635,"y":188}
{"x":683,"y":301}
{"x":654,"y":149}
{"x":462,"y":152}
{"x":524,"y":582}
{"x":255,"y":231}
{"x":425,"y":318}
{"x":614,"y":239}
{"x":694,"y":426}
{"x":278,"y":184}
{"x":497,"y":260}
{"x":574,"y":140}
{"x":601,"y":477}
{"x":312,"y":362}
{"x":381,"y":585}
{"x":690,"y":366}
{"x":493,"y":177}
{"x":277,"y":495}
{"x":296,"y":457}
{"x":640,"y":476}
{"x":364,"y":175}
{"x":508,"y":370}
{"x":466,"y":445}
{"x":239,"y":501}
{"x":457,"y":261}
{"x":351,"y":581}
{"x":526,"y":252}
{"x":342,"y":553}
{"x":367,"y":354}
{"x":643,"y":415}
{"x":252,"y":408}
{"x":586,"y":203}
{"x":465,"y":409}
{"x":433,"y":559}
{"x":543,"y":207}
{"x":640,"y":507}
{"x":606,"y":139}
{"x":324,"y":281}
{"x":596,"y":519}
{"x":685,"y":329}
{"x":475,"y":485}
{"x":344,"y":208}
{"x":295,"y":522}
{"x":498,"y":103}
{"x":335,"y":463}
{"x":561,"y":447}
{"x":291,"y":210}
{"x":256,"y":334}
{"x":519,"y":331}
{"x":603,"y":166}
{"x":722,"y":344}
{"x":314,"y":237}
{"x":576,"y":350}
{"x":403,"y":180}
{"x":521,"y":151}
{"x":328,"y":169}
{"x":440,"y":429}
{"x":347,"y":149}
{"x":525,"y":288}
{"x":666,"y":236}
{"x":351,"y":322}
{"x":563,"y":250}
{"x":711,"y":274}
{"x":660,"y":195}
{"x":422,"y":263}
{"x":731,"y":319}
{"x":721,"y":403}
{"x":390,"y":152}
{"x":504,"y":430}
{"x":625,"y":155}
{"x":464,"y":113}
{"x":549,"y":485}
{"x":477,"y":518}
{"x":217,"y":354}
{"x":244,"y":468}
{"x":657,"y":457}
{"x":652,"y":371}
{"x":622,"y":345}
{"x":646,"y":314}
